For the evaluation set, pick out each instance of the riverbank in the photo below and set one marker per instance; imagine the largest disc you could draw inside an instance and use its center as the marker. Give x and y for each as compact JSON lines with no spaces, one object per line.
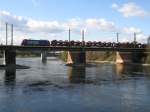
{"x":109,"y":62}
{"x":114,"y":63}
{"x":106,"y":57}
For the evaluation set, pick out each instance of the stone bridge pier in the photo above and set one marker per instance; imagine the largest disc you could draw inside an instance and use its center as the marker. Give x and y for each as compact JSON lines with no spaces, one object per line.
{"x":44,"y":56}
{"x":76,"y":58}
{"x":123,"y":57}
{"x":79,"y":57}
{"x":129,"y":57}
{"x":9,"y":57}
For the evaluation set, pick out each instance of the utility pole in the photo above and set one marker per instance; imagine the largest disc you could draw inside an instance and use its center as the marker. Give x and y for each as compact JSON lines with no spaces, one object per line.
{"x":69,"y":37}
{"x":6,"y":32}
{"x":11,"y":34}
{"x":134,"y":40}
{"x":82,"y":37}
{"x":0,"y":36}
{"x":117,"y":37}
{"x":148,"y":40}
{"x":134,"y":37}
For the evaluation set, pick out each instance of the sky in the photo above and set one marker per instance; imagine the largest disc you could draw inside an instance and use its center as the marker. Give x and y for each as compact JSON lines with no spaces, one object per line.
{"x":51,"y":19}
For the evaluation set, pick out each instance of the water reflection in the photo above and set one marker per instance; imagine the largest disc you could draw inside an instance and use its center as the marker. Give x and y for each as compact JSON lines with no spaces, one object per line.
{"x":147,"y":71}
{"x":46,"y":88}
{"x":129,"y":70}
{"x":10,"y":76}
{"x":44,"y":61}
{"x":76,"y":74}
{"x":120,"y":68}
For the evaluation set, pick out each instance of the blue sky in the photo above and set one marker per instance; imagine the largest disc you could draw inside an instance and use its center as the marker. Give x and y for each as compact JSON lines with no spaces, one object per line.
{"x":96,"y":16}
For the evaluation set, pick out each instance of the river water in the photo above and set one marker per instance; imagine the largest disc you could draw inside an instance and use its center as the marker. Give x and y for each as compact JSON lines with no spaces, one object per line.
{"x":54,"y":87}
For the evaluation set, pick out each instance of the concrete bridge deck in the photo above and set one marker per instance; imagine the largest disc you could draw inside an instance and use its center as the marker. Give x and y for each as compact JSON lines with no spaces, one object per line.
{"x":76,"y":55}
{"x":52,"y":48}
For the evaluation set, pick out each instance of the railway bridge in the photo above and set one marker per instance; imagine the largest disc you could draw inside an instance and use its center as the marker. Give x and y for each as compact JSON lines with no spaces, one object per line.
{"x":76,"y":55}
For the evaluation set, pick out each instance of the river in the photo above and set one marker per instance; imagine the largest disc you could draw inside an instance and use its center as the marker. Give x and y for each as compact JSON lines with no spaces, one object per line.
{"x":54,"y":87}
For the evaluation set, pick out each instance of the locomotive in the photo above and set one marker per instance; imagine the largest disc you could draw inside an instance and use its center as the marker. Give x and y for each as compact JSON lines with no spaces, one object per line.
{"x":28,"y":42}
{"x":66,"y":43}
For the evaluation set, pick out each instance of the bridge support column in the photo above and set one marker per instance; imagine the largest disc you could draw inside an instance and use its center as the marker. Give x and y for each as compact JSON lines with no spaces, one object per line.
{"x":9,"y":57}
{"x":77,"y":74}
{"x":129,"y":57}
{"x":76,"y":58}
{"x":44,"y":56}
{"x":123,"y":57}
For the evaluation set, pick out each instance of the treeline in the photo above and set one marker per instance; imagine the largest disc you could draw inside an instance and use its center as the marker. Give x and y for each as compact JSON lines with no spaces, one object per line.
{"x":100,"y":56}
{"x":148,"y":55}
{"x":28,"y":54}
{"x":63,"y":56}
{"x":94,"y":56}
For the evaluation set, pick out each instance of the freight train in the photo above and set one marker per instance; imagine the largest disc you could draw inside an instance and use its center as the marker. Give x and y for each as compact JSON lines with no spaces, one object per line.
{"x":61,"y":43}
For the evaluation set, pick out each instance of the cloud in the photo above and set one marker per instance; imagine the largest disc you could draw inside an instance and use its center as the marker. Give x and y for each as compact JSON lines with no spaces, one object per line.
{"x":129,"y":30}
{"x":45,"y":26}
{"x":31,"y":25}
{"x":127,"y":34}
{"x":115,"y":6}
{"x":24,"y":24}
{"x":13,"y":19}
{"x":52,"y":29}
{"x":101,"y":24}
{"x":74,"y":23}
{"x":130,"y":9}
